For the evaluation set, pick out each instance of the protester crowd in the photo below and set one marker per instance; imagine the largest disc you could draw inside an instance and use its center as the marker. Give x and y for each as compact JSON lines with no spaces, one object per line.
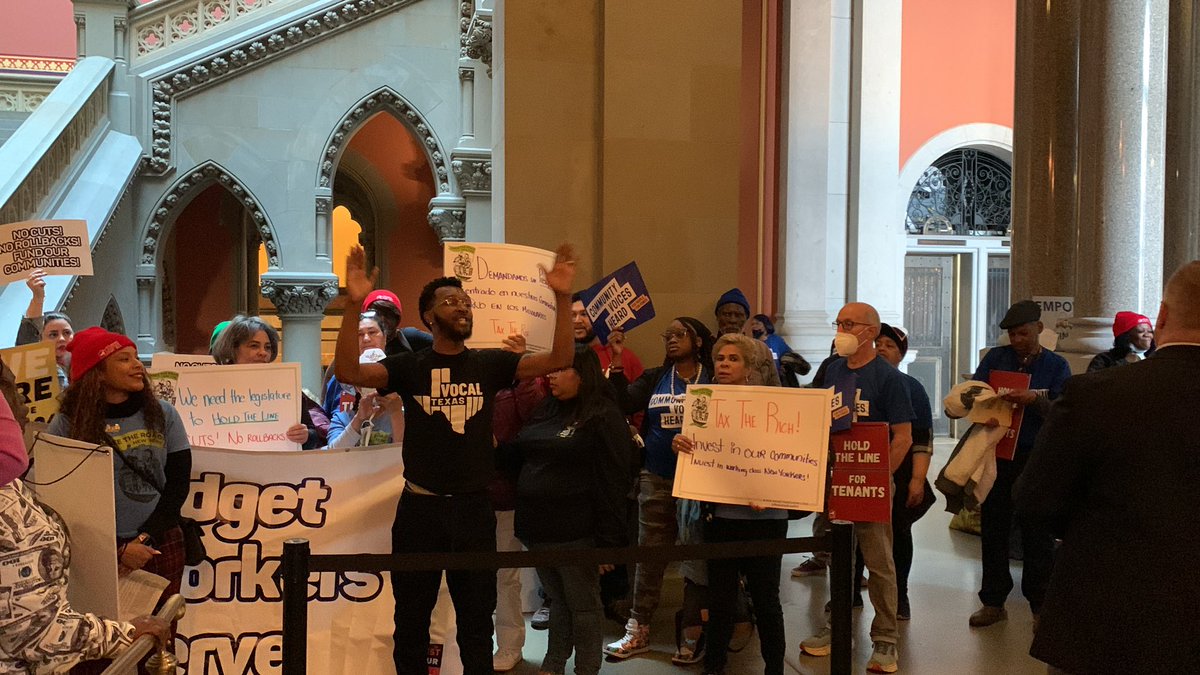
{"x":577,"y":447}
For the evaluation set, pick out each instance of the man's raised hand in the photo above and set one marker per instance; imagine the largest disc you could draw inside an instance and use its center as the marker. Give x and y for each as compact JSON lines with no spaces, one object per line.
{"x":358,"y":284}
{"x":561,"y":277}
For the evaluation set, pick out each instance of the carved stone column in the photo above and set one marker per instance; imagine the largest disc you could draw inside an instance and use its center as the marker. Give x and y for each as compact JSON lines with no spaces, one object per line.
{"x":80,"y":36}
{"x":324,"y":231}
{"x":473,"y":173}
{"x":147,"y":280}
{"x":1181,"y":237}
{"x":448,"y":218}
{"x":300,"y":299}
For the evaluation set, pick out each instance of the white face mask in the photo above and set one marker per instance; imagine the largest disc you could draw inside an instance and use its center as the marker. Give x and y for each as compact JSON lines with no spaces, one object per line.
{"x":845,"y":344}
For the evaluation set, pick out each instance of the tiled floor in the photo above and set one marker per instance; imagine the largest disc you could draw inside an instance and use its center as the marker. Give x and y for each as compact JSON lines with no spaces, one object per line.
{"x":937,"y":641}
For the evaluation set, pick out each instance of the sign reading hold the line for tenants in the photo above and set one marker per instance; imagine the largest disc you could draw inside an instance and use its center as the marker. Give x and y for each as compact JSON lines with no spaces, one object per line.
{"x":860,"y":489}
{"x":247,"y":407}
{"x":766,"y":446}
{"x":508,"y":292}
{"x":54,"y":246}
{"x":36,"y":376}
{"x":618,"y":301}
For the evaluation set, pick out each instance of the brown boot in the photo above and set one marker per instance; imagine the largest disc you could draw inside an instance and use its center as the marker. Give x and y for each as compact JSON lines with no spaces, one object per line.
{"x":987,"y":616}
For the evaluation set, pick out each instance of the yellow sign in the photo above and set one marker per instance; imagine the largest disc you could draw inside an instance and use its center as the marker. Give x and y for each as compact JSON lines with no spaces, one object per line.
{"x":37,"y":377}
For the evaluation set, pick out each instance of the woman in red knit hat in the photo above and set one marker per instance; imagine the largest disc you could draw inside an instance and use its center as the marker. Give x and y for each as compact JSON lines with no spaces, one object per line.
{"x":110,"y":402}
{"x":1133,"y":340}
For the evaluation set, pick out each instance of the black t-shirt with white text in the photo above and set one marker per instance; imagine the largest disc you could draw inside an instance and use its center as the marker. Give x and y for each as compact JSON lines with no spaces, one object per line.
{"x":448,"y":415}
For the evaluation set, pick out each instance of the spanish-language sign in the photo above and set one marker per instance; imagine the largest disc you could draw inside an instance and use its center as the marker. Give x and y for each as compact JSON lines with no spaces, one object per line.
{"x":37,"y":377}
{"x":248,"y":504}
{"x":766,"y":446}
{"x":54,"y":246}
{"x":860,"y":489}
{"x":77,"y":482}
{"x":249,"y":407}
{"x":618,"y":301}
{"x":508,"y":292}
{"x":1004,"y":382}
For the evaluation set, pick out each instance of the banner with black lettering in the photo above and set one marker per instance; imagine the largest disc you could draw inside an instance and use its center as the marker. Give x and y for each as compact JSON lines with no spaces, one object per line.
{"x":248,"y":503}
{"x":36,"y":374}
{"x":54,"y":246}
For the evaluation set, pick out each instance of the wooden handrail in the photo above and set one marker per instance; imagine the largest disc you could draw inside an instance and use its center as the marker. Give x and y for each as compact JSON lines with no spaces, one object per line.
{"x":129,"y":659}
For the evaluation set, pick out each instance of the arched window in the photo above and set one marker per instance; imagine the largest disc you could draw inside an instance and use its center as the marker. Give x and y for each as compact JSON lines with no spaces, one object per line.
{"x":964,"y":192}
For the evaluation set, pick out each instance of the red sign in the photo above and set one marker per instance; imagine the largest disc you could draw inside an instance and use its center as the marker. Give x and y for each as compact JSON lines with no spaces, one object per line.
{"x":860,"y":489}
{"x":1004,"y":381}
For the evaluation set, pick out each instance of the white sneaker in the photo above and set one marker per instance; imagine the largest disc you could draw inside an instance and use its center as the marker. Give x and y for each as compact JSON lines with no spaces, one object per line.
{"x":505,"y":660}
{"x":636,"y":641}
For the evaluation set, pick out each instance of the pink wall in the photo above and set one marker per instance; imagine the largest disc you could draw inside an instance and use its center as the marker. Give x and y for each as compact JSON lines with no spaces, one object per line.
{"x":38,"y":28}
{"x":956,"y":67}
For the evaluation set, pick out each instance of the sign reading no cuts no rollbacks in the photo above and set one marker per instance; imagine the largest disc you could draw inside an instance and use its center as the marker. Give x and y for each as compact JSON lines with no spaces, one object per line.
{"x":54,"y":246}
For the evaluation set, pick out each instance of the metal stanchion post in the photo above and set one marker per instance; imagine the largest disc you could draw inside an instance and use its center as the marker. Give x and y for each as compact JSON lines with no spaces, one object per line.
{"x":841,"y":587}
{"x":295,"y":606}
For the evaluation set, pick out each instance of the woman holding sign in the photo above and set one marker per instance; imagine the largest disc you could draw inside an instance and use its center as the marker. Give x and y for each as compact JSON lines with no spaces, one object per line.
{"x":110,"y":402}
{"x":659,"y":393}
{"x":740,"y":359}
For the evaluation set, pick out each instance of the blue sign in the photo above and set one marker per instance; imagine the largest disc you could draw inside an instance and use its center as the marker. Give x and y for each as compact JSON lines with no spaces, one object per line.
{"x":618,"y":301}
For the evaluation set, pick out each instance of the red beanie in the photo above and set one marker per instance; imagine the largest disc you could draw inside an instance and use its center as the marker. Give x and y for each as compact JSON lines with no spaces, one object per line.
{"x":381,"y":294}
{"x":91,"y":346}
{"x":1126,"y":321}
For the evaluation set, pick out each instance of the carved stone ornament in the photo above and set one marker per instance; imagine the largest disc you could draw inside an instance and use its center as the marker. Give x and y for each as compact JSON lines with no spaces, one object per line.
{"x":113,"y":321}
{"x":299,"y":298}
{"x":384,"y":98}
{"x":172,"y":202}
{"x":479,"y":41}
{"x":474,"y":174}
{"x":450,"y":224}
{"x":325,"y":21}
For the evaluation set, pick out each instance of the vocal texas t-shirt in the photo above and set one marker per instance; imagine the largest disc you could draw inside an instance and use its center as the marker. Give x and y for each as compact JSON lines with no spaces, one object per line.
{"x":448,"y":415}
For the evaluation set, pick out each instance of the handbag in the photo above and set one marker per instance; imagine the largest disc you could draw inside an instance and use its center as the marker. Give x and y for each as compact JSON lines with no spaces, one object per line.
{"x":194,"y":551}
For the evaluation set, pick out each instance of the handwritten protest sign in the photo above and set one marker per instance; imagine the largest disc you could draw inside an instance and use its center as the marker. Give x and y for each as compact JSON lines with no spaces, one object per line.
{"x":55,"y":246}
{"x":1004,"y":382}
{"x":508,"y":290}
{"x":619,"y":300}
{"x":37,"y":377}
{"x":248,"y":407}
{"x":763,"y":445}
{"x":860,"y":489}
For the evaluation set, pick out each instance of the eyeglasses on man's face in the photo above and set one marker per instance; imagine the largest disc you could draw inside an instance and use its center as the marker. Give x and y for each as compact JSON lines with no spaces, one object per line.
{"x":457,"y":302}
{"x":848,"y":325}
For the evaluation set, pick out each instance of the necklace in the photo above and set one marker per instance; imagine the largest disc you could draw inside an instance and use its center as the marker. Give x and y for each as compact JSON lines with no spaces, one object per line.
{"x":694,"y":380}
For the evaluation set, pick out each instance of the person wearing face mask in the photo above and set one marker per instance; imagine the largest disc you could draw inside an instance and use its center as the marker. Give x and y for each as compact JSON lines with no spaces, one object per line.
{"x":110,"y":402}
{"x":1133,"y":340}
{"x":49,"y":326}
{"x":248,"y":340}
{"x":1048,"y":373}
{"x":880,"y":396}
{"x":791,"y":366}
{"x":738,"y":359}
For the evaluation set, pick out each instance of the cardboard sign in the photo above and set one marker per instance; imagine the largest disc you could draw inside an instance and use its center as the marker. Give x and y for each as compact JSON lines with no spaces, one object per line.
{"x":1004,"y":382}
{"x":1057,"y":312}
{"x":508,"y":291}
{"x":55,"y":246}
{"x":79,"y":485}
{"x":619,"y":300}
{"x":249,"y":407}
{"x":860,"y":489}
{"x":762,"y":445}
{"x":37,"y":377}
{"x":166,"y":361}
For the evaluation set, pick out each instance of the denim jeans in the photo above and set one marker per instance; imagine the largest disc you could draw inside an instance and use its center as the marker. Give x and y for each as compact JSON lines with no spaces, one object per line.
{"x":575,"y":622}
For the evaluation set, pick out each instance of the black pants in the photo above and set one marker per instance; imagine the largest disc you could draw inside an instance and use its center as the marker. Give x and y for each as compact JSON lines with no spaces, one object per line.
{"x":996,"y":524}
{"x":427,"y":524}
{"x":762,"y":580}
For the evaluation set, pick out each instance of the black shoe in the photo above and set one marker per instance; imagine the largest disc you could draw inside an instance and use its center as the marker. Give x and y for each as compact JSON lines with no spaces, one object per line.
{"x":541,"y":618}
{"x":903,"y":611}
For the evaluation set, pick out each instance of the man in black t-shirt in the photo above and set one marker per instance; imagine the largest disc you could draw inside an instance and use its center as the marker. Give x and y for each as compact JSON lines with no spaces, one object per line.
{"x":448,"y":455}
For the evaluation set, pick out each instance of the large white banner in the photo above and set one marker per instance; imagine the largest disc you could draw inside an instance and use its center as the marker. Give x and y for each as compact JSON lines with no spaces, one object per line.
{"x":767,"y":446}
{"x":55,"y":246}
{"x":508,"y":290}
{"x":249,"y":503}
{"x":249,"y":407}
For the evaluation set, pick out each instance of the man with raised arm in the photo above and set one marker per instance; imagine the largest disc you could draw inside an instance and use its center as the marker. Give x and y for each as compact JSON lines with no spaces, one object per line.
{"x":448,"y":452}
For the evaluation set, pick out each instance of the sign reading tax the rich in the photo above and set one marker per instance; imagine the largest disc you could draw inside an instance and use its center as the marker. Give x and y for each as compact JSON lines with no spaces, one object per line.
{"x":508,"y":291}
{"x":54,"y":246}
{"x":766,"y":446}
{"x":860,"y":489}
{"x":618,"y":301}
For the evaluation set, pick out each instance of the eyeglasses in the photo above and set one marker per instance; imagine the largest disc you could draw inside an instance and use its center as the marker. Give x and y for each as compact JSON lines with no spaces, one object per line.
{"x":679,"y":333}
{"x":848,"y":325}
{"x":457,"y":302}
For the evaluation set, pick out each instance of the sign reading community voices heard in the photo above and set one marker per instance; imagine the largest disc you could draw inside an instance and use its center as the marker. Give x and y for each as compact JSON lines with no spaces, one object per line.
{"x":54,"y":246}
{"x":36,"y":377}
{"x":767,"y":446}
{"x":249,"y":407}
{"x":618,"y":301}
{"x":507,"y":286}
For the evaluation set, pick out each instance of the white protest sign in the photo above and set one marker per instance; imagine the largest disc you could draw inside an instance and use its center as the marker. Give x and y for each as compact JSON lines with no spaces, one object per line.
{"x":508,"y":291}
{"x":249,"y":407}
{"x":55,"y":246}
{"x":248,"y":504}
{"x":79,"y":486}
{"x":1057,"y":312}
{"x":763,"y":445}
{"x":166,"y":361}
{"x":36,"y":374}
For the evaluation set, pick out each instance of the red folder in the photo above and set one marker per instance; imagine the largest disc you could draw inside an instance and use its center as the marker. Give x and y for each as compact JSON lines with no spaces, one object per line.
{"x":1003,"y":382}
